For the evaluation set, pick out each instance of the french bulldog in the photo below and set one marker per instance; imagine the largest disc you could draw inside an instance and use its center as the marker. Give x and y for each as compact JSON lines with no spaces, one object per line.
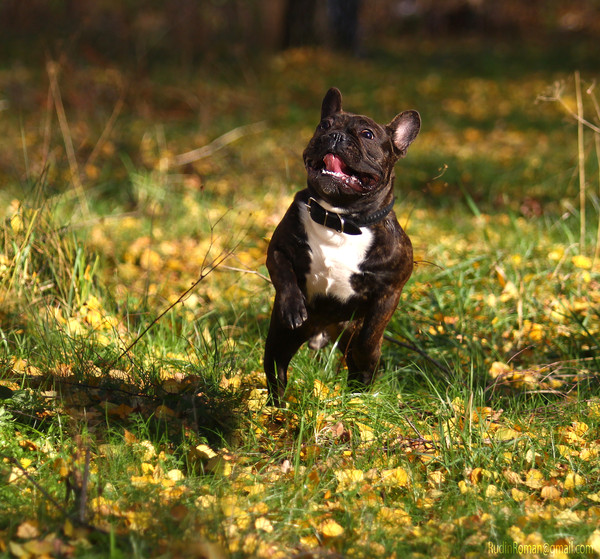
{"x":339,"y":259}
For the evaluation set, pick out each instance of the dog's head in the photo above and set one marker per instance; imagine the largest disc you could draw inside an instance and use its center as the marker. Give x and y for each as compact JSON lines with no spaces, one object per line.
{"x":351,"y":157}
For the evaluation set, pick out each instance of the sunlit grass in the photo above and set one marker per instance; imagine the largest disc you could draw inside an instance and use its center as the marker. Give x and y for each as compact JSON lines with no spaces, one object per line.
{"x":485,"y":432}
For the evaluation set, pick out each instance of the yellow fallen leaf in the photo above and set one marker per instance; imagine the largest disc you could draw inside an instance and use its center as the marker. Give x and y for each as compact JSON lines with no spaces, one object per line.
{"x":566,"y":451}
{"x":348,"y":478}
{"x":531,"y":456}
{"x":573,"y":480}
{"x":510,"y":291}
{"x":550,"y":493}
{"x":206,"y":501}
{"x":475,"y":475}
{"x":17,"y":550}
{"x":311,"y":541}
{"x":256,"y":489}
{"x":140,"y":481}
{"x":492,"y":491}
{"x":582,"y":262}
{"x":93,"y":303}
{"x":516,"y":534}
{"x":436,"y":478}
{"x":498,"y":368}
{"x":320,"y":390}
{"x":263,"y":524}
{"x":94,"y":317}
{"x":556,"y":254}
{"x":430,"y":498}
{"x":536,"y":333}
{"x":394,"y":516}
{"x":366,"y":433}
{"x":594,"y":409}
{"x":512,"y":477}
{"x":330,"y":529}
{"x":569,"y":436}
{"x":16,"y":223}
{"x":104,"y":506}
{"x":518,"y":495}
{"x":233,"y":382}
{"x":122,"y":410}
{"x":594,"y":541}
{"x":567,"y":517}
{"x":569,"y":502}
{"x":147,"y":468}
{"x":396,"y":477}
{"x":507,"y":434}
{"x":458,"y":405}
{"x":587,"y":454}
{"x":39,"y":548}
{"x":259,"y":508}
{"x":138,"y":520}
{"x":534,"y":479}
{"x":580,"y":428}
{"x":175,"y":475}
{"x":69,"y":529}
{"x":148,"y":450}
{"x":463,"y":487}
{"x":220,"y":464}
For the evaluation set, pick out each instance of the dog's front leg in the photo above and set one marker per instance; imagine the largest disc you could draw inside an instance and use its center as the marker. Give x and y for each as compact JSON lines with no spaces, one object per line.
{"x":286,"y":331}
{"x":280,"y":346}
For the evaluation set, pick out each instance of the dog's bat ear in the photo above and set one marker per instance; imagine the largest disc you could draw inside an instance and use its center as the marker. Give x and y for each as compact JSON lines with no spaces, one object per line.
{"x":332,"y":103}
{"x":403,"y":130}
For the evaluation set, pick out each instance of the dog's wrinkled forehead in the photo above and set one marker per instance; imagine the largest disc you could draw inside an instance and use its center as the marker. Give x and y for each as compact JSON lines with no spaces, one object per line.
{"x":345,"y":119}
{"x":350,"y":122}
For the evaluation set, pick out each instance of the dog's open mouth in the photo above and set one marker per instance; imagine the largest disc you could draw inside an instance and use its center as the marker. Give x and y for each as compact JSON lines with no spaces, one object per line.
{"x":334,"y":166}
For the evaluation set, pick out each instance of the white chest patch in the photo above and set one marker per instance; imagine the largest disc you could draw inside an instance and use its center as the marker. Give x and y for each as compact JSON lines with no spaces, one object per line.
{"x":334,"y":258}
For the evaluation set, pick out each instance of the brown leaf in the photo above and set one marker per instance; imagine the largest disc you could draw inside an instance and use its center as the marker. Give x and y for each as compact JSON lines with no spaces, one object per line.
{"x":179,"y":512}
{"x":28,"y":530}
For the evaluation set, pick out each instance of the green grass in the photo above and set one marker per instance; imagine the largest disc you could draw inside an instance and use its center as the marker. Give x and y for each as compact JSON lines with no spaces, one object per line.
{"x":485,"y":436}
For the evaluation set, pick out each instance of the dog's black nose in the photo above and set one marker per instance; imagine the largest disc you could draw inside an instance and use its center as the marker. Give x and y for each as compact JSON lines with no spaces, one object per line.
{"x":336,"y":137}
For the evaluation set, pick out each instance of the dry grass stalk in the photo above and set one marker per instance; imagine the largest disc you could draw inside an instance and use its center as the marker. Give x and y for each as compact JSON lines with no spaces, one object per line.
{"x":581,"y":163}
{"x":52,"y":69}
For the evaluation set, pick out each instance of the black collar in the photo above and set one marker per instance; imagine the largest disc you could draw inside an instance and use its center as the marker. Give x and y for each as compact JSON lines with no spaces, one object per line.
{"x":341,"y":223}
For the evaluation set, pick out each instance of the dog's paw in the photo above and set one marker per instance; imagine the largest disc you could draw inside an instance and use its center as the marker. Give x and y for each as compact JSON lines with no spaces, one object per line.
{"x":293,"y":312}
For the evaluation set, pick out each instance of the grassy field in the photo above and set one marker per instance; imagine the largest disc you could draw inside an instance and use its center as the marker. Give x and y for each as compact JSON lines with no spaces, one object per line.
{"x":134,"y":304}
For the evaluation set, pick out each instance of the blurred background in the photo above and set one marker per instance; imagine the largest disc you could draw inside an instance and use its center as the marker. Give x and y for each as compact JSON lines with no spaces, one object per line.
{"x":194,"y":31}
{"x":105,"y":89}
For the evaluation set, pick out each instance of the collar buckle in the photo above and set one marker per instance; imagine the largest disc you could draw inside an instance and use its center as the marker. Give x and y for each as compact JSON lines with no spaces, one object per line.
{"x":332,"y":220}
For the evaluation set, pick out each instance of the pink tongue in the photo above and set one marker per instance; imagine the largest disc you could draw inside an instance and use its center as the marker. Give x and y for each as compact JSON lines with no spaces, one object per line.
{"x":334,"y":164}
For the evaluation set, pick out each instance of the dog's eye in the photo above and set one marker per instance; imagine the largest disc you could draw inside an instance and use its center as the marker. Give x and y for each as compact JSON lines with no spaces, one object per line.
{"x":325,"y":124}
{"x":367,"y":134}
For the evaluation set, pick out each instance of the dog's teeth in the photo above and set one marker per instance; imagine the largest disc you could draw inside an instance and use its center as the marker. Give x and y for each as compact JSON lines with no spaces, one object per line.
{"x":335,"y":173}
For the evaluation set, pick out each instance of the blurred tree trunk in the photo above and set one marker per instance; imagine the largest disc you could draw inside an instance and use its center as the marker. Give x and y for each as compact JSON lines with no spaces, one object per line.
{"x":298,"y":25}
{"x":343,"y":23}
{"x":333,"y":23}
